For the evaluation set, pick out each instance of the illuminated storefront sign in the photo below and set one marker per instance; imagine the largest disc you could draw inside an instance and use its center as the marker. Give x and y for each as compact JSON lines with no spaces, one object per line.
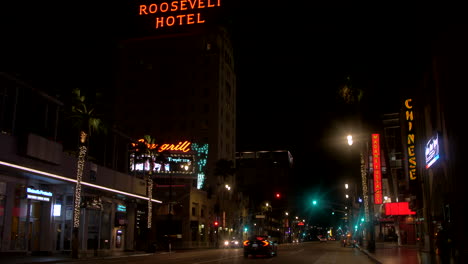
{"x":171,"y":163}
{"x":38,"y":195}
{"x":176,"y":13}
{"x":121,"y":208}
{"x":181,"y":146}
{"x":432,"y":150}
{"x":401,"y":208}
{"x":377,"y":169}
{"x":410,"y":139}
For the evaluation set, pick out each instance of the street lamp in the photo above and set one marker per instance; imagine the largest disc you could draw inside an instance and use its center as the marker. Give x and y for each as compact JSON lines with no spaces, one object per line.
{"x":368,"y":204}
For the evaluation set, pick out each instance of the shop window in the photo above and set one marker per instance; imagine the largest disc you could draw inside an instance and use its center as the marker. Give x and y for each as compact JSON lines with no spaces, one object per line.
{"x":18,"y":221}
{"x":194,"y":230}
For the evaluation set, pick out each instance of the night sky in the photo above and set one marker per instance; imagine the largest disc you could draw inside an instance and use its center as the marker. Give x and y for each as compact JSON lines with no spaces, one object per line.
{"x":291,"y":60}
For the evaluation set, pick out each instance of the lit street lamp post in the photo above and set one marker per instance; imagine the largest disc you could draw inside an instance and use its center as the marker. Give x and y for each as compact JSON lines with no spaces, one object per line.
{"x":368,"y":205}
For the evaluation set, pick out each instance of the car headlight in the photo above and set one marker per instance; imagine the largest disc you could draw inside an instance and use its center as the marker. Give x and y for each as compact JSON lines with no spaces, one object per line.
{"x":226,"y":243}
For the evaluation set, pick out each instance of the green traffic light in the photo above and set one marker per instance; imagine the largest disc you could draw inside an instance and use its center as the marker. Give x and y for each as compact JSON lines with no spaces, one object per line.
{"x":314,"y":202}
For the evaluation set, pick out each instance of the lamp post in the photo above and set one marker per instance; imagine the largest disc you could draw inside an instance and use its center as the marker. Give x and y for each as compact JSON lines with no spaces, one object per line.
{"x":368,"y":204}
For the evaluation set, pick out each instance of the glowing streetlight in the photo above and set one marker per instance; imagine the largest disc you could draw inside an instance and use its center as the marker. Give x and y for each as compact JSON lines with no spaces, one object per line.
{"x":350,"y":140}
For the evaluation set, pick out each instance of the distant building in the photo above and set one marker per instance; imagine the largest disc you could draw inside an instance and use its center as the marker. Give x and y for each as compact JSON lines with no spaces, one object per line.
{"x":266,"y":177}
{"x":177,"y":88}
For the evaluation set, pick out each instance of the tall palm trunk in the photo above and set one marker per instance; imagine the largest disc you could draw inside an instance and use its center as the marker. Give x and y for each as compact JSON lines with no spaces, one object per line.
{"x":77,"y":203}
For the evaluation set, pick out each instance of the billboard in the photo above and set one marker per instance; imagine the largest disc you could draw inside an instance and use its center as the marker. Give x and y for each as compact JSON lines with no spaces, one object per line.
{"x":164,"y":158}
{"x":432,"y":150}
{"x":169,"y":163}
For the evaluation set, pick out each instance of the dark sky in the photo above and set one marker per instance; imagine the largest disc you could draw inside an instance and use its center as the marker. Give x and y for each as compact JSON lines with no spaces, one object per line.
{"x":291,"y":59}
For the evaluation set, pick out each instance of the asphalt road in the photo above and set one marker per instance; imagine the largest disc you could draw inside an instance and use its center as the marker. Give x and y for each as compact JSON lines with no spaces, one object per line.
{"x":309,"y":252}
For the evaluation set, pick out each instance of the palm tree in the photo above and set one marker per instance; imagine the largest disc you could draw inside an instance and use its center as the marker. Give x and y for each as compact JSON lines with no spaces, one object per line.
{"x":83,"y":116}
{"x":149,"y":155}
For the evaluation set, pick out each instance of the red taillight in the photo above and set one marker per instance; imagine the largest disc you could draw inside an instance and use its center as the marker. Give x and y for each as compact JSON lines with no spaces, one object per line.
{"x":246,"y":243}
{"x":265,"y":243}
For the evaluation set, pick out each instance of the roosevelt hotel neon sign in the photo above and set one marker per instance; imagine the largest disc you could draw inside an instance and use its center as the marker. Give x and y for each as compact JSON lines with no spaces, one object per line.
{"x":177,"y":13}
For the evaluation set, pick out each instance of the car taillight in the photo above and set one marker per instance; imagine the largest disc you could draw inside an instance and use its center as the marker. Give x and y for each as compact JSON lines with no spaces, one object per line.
{"x":265,"y":243}
{"x":246,"y":243}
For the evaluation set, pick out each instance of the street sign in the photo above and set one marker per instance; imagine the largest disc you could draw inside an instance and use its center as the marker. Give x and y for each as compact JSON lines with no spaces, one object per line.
{"x":260,"y":216}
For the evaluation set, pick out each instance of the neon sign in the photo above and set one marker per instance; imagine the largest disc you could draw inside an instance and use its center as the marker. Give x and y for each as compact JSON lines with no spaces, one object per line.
{"x":377,"y":169}
{"x":181,"y":146}
{"x":410,"y":138}
{"x":177,"y":13}
{"x":400,"y":208}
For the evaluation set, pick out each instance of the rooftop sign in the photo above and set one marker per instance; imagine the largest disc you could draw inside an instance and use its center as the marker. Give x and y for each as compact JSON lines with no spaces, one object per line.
{"x":175,"y":13}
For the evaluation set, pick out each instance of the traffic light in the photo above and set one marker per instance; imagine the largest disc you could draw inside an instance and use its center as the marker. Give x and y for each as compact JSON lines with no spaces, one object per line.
{"x":277,"y":195}
{"x":314,"y":202}
{"x":216,"y":223}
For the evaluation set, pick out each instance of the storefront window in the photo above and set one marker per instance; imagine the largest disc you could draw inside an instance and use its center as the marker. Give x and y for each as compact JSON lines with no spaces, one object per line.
{"x":93,"y":228}
{"x":105,"y":238}
{"x":68,"y":225}
{"x":18,"y":221}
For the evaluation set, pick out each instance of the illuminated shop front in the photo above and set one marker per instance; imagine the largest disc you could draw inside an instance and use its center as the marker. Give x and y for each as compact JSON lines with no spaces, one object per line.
{"x":36,"y":214}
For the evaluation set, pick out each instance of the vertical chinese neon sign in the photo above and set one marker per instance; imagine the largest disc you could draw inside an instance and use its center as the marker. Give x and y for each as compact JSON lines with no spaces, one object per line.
{"x":377,"y":169}
{"x":410,"y":142}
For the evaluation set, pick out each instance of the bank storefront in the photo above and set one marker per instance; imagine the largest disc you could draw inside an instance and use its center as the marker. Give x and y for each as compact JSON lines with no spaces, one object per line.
{"x":36,"y":214}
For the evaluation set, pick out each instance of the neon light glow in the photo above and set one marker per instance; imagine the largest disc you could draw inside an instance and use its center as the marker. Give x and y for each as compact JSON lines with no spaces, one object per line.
{"x":202,"y":156}
{"x":377,"y":169}
{"x":179,"y":9}
{"x":38,"y":192}
{"x":401,"y":208}
{"x":181,"y":146}
{"x":55,"y":176}
{"x":410,"y":138}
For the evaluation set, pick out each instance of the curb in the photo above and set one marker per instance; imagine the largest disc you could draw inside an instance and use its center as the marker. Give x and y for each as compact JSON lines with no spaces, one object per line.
{"x":371,"y":256}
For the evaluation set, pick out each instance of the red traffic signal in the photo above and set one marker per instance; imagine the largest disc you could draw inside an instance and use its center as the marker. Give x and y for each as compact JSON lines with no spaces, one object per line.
{"x":278,"y":195}
{"x":216,"y":223}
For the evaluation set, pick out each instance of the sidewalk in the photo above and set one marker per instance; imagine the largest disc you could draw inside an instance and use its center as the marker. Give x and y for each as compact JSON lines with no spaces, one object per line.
{"x":59,"y":258}
{"x":391,"y":253}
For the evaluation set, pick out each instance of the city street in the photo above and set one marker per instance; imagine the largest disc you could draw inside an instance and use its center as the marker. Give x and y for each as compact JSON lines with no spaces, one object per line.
{"x":309,"y":252}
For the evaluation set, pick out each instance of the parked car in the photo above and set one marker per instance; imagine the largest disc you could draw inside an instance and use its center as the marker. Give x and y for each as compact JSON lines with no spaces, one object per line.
{"x":322,"y":239}
{"x":260,"y":246}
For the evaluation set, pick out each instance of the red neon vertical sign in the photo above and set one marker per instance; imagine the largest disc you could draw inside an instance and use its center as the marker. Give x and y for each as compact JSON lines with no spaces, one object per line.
{"x":377,"y":169}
